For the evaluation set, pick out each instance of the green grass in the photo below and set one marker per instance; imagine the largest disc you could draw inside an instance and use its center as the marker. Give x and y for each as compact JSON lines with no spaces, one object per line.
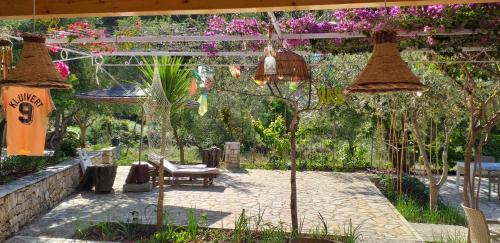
{"x":413,"y":204}
{"x":414,"y":212}
{"x":246,"y":229}
{"x":454,"y":238}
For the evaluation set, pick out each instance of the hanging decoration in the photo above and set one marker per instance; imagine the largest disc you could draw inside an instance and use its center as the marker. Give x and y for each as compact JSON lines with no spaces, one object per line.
{"x":202,"y":79}
{"x":330,"y":92}
{"x":157,"y":112}
{"x":235,"y":71}
{"x":192,"y":88}
{"x":293,"y":85}
{"x":330,"y":96}
{"x":259,"y":82}
{"x":206,"y":75}
{"x":5,"y":58}
{"x":35,"y":67}
{"x":27,"y":115}
{"x":386,"y":71}
{"x":209,"y":84}
{"x":203,"y":101}
{"x":269,"y":60}
{"x":290,"y":66}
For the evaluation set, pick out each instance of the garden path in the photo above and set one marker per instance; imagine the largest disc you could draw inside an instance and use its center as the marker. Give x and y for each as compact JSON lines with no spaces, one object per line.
{"x":451,"y":195}
{"x":339,"y":197}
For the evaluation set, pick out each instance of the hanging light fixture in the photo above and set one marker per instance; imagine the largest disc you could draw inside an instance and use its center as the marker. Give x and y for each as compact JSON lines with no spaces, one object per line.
{"x":270,"y":61}
{"x":281,"y":66}
{"x":386,"y":71}
{"x":35,"y":67}
{"x":290,"y":66}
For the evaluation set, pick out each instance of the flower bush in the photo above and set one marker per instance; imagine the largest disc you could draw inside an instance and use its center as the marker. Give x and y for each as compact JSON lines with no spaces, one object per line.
{"x":433,"y":19}
{"x":80,"y":30}
{"x":63,"y":69}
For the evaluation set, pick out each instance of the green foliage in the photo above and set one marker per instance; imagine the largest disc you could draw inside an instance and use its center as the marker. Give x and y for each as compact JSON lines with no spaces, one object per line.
{"x":275,"y":139}
{"x":174,"y":78}
{"x":70,"y":144}
{"x":241,"y":231}
{"x":13,"y":167}
{"x":413,"y":204}
{"x":107,"y":127}
{"x":246,"y":229}
{"x":353,"y":157}
{"x":351,"y":233}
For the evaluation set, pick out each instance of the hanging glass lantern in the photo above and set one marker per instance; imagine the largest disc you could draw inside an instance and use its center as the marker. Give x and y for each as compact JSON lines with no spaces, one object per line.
{"x":269,"y":62}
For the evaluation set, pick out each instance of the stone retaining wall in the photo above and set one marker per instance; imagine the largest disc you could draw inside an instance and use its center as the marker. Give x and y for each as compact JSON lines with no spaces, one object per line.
{"x":24,"y":199}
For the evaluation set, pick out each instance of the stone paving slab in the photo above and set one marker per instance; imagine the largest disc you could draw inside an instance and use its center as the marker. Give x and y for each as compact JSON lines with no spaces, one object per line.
{"x":338,"y":197}
{"x":453,"y":195}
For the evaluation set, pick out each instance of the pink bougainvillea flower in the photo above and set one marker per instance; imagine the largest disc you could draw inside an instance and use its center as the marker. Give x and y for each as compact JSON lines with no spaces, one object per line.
{"x":430,"y":40}
{"x":63,"y":69}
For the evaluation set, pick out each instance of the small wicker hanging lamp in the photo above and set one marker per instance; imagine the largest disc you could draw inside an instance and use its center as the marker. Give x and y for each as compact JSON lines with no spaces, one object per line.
{"x":35,"y":67}
{"x":281,"y":66}
{"x":5,"y":57}
{"x":290,"y":66}
{"x":386,"y":71}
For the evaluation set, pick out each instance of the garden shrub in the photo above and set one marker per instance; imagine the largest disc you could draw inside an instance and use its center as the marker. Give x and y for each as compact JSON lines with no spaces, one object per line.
{"x":319,"y":161}
{"x":353,"y":157}
{"x":275,"y":138}
{"x":70,"y":144}
{"x":413,"y":204}
{"x":15,"y":166}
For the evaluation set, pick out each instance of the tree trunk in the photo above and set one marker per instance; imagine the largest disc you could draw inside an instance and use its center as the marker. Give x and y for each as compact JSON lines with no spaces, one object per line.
{"x":467,"y":159}
{"x":293,"y":178}
{"x":179,"y":142}
{"x":83,"y":136}
{"x":433,"y":186}
{"x":159,"y":206}
{"x":433,"y":196}
{"x":163,"y":144}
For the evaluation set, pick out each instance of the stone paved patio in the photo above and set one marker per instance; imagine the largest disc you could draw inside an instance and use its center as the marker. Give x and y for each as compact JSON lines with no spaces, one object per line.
{"x":339,"y":197}
{"x":450,"y":194}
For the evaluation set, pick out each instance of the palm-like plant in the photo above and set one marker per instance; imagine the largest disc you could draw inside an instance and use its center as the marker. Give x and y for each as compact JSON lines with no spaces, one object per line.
{"x":174,"y":78}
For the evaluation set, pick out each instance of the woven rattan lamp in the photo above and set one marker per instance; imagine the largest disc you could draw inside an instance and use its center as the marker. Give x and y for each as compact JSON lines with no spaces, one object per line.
{"x":386,"y":71}
{"x":290,"y":66}
{"x":35,"y":67}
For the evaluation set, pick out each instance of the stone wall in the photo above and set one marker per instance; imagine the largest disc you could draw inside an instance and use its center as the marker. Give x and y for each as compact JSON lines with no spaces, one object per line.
{"x":24,"y":199}
{"x":232,"y":155}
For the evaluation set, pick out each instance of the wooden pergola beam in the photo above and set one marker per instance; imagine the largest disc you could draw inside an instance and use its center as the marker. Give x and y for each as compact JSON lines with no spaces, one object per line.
{"x":16,"y":9}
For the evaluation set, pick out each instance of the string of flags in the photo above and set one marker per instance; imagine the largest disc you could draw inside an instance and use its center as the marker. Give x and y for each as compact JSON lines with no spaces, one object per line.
{"x":203,"y":81}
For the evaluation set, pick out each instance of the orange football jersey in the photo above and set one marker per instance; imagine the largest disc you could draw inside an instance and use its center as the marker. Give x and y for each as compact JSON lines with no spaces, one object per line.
{"x":27,"y":111}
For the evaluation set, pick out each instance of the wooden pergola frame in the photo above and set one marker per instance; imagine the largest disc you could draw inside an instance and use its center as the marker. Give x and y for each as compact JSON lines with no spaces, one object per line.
{"x":18,"y":9}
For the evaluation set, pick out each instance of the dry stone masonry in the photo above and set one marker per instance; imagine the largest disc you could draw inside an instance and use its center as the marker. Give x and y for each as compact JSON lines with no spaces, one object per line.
{"x":232,"y":155}
{"x":24,"y":199}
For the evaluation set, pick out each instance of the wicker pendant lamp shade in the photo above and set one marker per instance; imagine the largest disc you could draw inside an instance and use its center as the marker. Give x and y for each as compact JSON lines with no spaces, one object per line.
{"x":290,"y":66}
{"x":5,"y":58}
{"x":35,"y":67}
{"x":386,"y":71}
